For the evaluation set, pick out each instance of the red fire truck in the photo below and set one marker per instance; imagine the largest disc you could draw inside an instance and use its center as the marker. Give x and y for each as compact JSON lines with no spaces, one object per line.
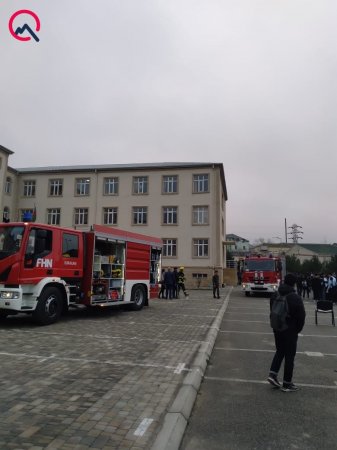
{"x":262,"y":274}
{"x":45,"y":269}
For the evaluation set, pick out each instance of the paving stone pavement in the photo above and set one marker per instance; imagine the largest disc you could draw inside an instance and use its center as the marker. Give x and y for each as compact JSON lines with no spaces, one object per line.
{"x":99,"y":380}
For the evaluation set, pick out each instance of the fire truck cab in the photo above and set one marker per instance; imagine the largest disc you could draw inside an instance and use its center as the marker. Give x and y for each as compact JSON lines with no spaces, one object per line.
{"x":45,"y":269}
{"x":262,"y":274}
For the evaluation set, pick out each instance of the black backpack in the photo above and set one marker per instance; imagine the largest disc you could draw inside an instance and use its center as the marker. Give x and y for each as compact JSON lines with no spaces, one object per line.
{"x":279,"y":313}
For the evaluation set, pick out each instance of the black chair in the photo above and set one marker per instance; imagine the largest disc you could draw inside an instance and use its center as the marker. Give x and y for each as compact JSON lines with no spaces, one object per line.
{"x":325,"y":306}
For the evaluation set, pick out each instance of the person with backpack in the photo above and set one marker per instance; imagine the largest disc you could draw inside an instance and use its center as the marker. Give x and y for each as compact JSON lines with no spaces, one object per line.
{"x":287,"y":317}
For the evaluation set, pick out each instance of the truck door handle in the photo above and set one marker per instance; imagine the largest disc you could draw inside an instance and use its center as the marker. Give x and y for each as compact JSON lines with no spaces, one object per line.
{"x":49,"y":272}
{"x":76,"y":272}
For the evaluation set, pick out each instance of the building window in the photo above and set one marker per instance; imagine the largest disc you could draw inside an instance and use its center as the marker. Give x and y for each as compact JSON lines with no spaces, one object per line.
{"x":200,"y":183}
{"x":81,"y":216}
{"x":8,"y":186}
{"x":110,"y":216}
{"x":6,"y":214}
{"x":200,"y":248}
{"x":111,"y":186}
{"x":170,"y":215}
{"x":200,"y":215}
{"x":140,"y":185}
{"x":170,"y":184}
{"x":29,"y":188}
{"x":54,"y":216}
{"x":170,"y":248}
{"x":82,"y":186}
{"x":55,"y":187}
{"x":139,"y":214}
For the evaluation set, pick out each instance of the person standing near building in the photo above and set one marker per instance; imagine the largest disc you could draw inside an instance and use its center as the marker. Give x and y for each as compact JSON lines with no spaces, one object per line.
{"x":316,"y":284}
{"x":216,"y":283}
{"x":286,"y":341}
{"x":169,"y":279}
{"x":162,"y":284}
{"x":181,"y":281}
{"x":175,"y":285}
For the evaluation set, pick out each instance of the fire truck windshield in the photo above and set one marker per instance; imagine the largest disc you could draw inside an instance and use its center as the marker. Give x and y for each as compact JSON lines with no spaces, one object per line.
{"x":260,"y":264}
{"x":10,"y":240}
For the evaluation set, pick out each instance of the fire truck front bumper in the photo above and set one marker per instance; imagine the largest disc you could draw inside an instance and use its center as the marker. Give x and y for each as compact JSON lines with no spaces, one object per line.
{"x":12,"y":299}
{"x":252,"y":287}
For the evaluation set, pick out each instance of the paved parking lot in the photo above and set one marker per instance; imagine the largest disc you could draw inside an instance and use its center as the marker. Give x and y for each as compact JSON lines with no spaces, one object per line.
{"x":236,"y":409}
{"x":98,"y":380}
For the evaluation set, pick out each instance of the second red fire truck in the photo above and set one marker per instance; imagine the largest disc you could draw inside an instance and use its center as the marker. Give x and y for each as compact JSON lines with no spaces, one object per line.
{"x":45,"y":269}
{"x":262,"y":274}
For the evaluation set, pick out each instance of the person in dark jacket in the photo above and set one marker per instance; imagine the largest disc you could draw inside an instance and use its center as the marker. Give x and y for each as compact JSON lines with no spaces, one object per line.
{"x":286,"y":341}
{"x":216,"y":284}
{"x":317,"y":287}
{"x":169,"y":280}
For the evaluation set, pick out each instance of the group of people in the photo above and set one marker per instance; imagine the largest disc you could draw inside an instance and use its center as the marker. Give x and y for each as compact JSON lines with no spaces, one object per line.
{"x":171,"y":283}
{"x":322,"y":286}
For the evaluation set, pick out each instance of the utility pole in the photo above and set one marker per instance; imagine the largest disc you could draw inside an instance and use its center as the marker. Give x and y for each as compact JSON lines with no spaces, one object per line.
{"x":295,"y":233}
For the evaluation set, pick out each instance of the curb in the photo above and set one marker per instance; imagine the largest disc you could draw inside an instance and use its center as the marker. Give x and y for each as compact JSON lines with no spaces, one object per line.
{"x":176,"y":419}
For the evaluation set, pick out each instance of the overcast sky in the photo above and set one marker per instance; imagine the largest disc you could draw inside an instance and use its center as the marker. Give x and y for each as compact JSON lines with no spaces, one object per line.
{"x":249,"y":83}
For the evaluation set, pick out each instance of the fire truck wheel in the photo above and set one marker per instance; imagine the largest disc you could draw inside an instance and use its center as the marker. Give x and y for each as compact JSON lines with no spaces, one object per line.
{"x":49,"y":306}
{"x":247,"y":294}
{"x":3,"y":315}
{"x":138,"y":297}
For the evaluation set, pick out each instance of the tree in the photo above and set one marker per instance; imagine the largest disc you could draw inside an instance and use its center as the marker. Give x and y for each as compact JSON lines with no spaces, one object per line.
{"x":312,"y":265}
{"x":293,"y":264}
{"x":331,"y":266}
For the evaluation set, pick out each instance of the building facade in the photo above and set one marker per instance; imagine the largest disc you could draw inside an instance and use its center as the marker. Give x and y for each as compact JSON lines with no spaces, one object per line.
{"x":303,"y":252}
{"x":182,"y":203}
{"x":237,"y":245}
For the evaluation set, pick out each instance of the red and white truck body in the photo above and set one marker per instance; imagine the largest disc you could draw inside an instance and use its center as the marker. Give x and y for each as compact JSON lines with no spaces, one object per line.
{"x":262,"y":274}
{"x":44,"y":269}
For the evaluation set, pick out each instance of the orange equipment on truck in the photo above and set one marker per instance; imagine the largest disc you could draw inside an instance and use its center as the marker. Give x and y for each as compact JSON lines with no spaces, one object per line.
{"x":44,"y":269}
{"x":262,"y":274}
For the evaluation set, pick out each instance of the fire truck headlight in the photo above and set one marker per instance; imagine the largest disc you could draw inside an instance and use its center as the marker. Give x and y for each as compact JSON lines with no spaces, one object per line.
{"x":275,"y":287}
{"x":9,"y":294}
{"x":243,"y":286}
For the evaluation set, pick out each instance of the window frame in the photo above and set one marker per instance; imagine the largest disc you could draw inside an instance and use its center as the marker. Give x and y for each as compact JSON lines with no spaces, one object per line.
{"x":56,"y":187}
{"x":198,"y":183}
{"x":139,"y":211}
{"x":197,"y":210}
{"x":54,"y":213}
{"x":167,"y":215}
{"x":29,"y":188}
{"x":173,"y":246}
{"x":197,"y":244}
{"x":166,"y":182}
{"x":140,"y":185}
{"x":81,"y":212}
{"x":82,"y":185}
{"x":107,"y":213}
{"x":8,"y":186}
{"x":115,"y":183}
